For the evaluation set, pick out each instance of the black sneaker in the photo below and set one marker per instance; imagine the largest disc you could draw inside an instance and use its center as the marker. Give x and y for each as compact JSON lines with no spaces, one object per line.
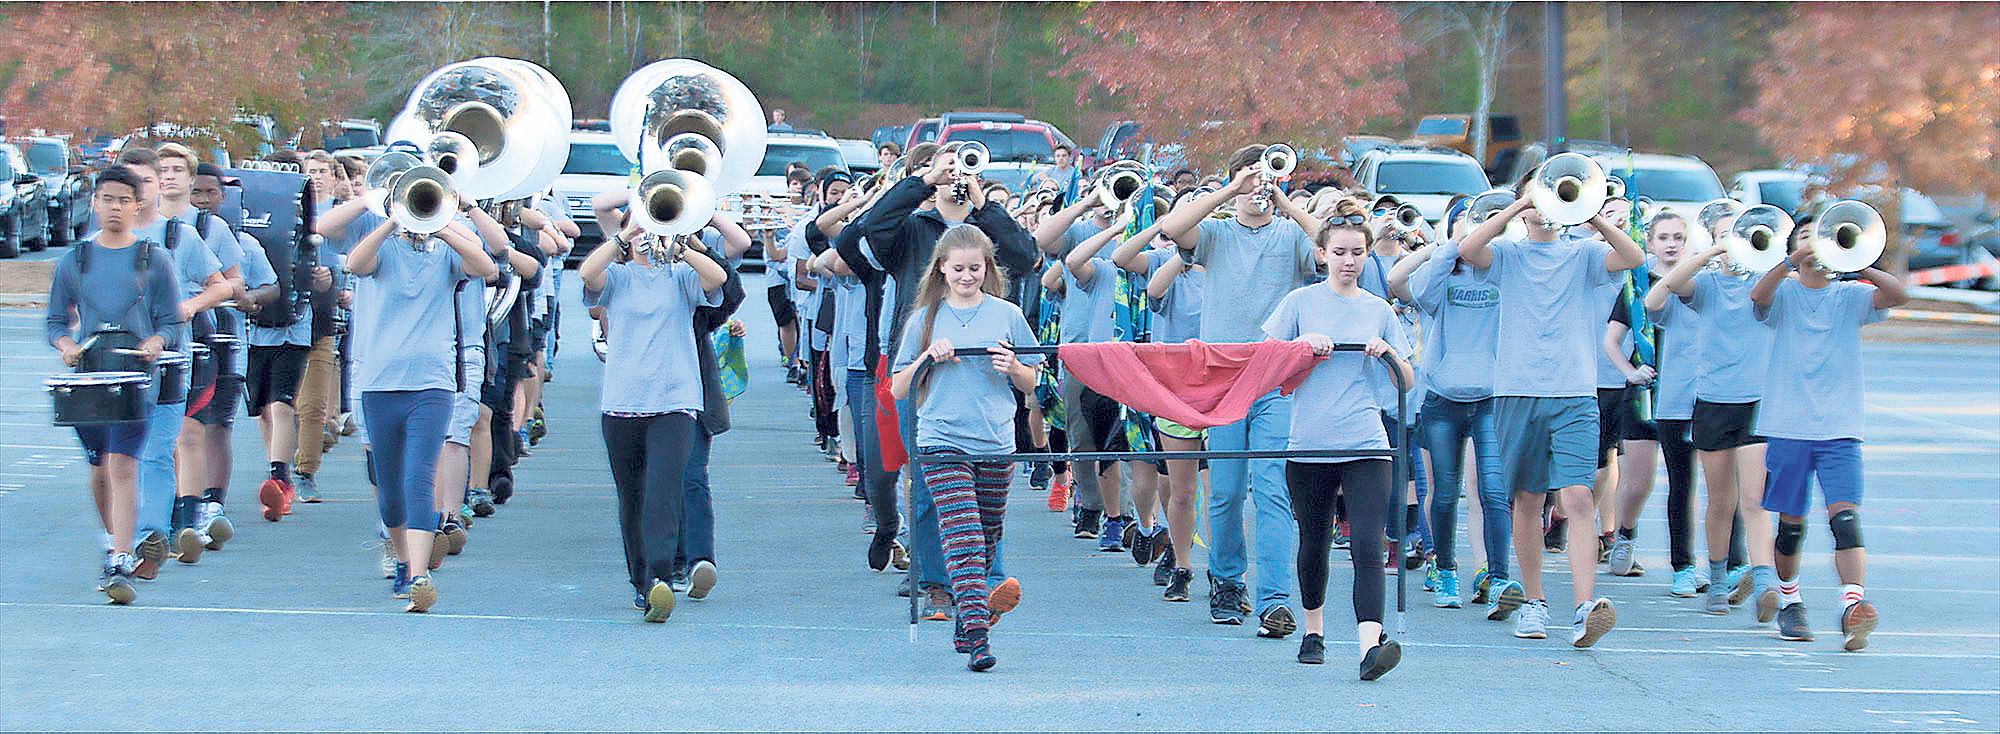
{"x":1177,"y":583}
{"x":878,"y":552}
{"x":1381,"y":658}
{"x":1163,"y":571}
{"x":1222,"y":604}
{"x":1275,"y":623}
{"x":1312,"y":649}
{"x":1039,"y":479}
{"x":1087,"y":524}
{"x":1141,"y":545}
{"x":1792,"y":623}
{"x":502,"y":489}
{"x":1555,"y":539}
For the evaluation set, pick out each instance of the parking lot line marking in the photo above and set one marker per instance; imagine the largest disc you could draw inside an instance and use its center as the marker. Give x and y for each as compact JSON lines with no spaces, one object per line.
{"x":1773,"y":633}
{"x":1921,"y":418}
{"x":1908,"y":692}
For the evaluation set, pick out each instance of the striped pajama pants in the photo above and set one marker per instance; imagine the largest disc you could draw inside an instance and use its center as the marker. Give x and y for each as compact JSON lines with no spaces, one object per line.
{"x":971,"y":501}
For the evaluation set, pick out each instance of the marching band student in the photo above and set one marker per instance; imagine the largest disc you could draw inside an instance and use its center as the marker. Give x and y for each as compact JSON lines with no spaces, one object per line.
{"x":407,"y":376}
{"x":1056,"y":235}
{"x":1614,"y":396}
{"x":1545,"y":392}
{"x":318,"y":398}
{"x":1390,"y":246}
{"x":1735,"y":354}
{"x":1338,"y":407}
{"x":1811,"y":416}
{"x":1461,"y":313}
{"x":128,"y":282}
{"x":256,"y":288}
{"x":887,"y":153}
{"x":1086,"y":280}
{"x":652,"y":391}
{"x":452,"y":478}
{"x":1263,"y":259}
{"x":963,"y":407}
{"x":1174,"y":289}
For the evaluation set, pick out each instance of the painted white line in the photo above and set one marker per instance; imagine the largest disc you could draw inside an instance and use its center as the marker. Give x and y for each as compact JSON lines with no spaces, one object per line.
{"x":1873,"y":406}
{"x":1835,"y":633}
{"x":45,"y":447}
{"x":1908,"y":691}
{"x":1918,"y":713}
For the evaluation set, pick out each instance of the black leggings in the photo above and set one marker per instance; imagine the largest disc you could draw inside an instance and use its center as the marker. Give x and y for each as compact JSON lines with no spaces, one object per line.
{"x":1678,"y":454}
{"x":648,"y":458}
{"x":1365,"y":484}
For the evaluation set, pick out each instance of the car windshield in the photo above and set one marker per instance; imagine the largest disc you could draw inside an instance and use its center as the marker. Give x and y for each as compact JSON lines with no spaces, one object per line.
{"x":1670,"y":184}
{"x":1430,"y":177}
{"x":1441,"y":126}
{"x":1782,"y":194}
{"x":598,"y":159}
{"x":1010,"y":146}
{"x":777,"y":156}
{"x":45,"y":157}
{"x":349,"y":137}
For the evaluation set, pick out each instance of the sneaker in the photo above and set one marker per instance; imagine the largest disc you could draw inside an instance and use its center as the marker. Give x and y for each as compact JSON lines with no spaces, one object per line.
{"x":1275,"y":623}
{"x":1479,"y":582}
{"x":480,"y":500}
{"x":113,"y":582}
{"x":389,"y":562}
{"x":1414,"y":556}
{"x":1222,"y":604}
{"x":537,"y":428}
{"x":1177,"y":584}
{"x":1716,"y":602}
{"x":1593,"y":619}
{"x":1792,"y":623}
{"x":878,"y":553}
{"x":215,"y":525}
{"x":1160,"y":545}
{"x":1141,"y":543}
{"x":1340,"y":534}
{"x":306,"y":490}
{"x":276,"y":501}
{"x":979,"y":652}
{"x":1534,"y":621}
{"x":1767,"y":604}
{"x":938,"y":606}
{"x":1739,"y":584}
{"x":501,"y":490}
{"x":1855,"y":624}
{"x":868,"y":524}
{"x":1381,"y":658}
{"x":347,"y":424}
{"x":188,"y":545}
{"x":1684,"y":584}
{"x":1620,"y":557}
{"x":701,"y":579}
{"x":454,"y":539}
{"x":1504,"y":596}
{"x":1086,"y":524}
{"x":659,"y":602}
{"x":1163,"y":569}
{"x":1446,"y":596}
{"x":521,"y":444}
{"x":1604,"y":543}
{"x":464,"y":516}
{"x":899,"y":557}
{"x":1555,"y":538}
{"x":1312,"y":649}
{"x":440,"y":547}
{"x":423,"y":594}
{"x":399,"y":584}
{"x":1058,"y":497}
{"x":152,"y":552}
{"x":853,"y":476}
{"x":639,"y":600}
{"x":1038,"y":478}
{"x":1112,"y":539}
{"x":679,"y":582}
{"x":1005,"y":596}
{"x":1430,"y":576}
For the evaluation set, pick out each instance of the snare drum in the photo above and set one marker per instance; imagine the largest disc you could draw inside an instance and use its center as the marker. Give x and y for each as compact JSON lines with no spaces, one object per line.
{"x":175,"y":378}
{"x":100,"y":398}
{"x":226,"y":349}
{"x":202,"y":362}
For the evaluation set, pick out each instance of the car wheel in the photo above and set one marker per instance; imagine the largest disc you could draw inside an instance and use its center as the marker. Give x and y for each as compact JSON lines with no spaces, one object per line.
{"x":10,"y":239}
{"x":41,"y":240}
{"x":59,"y":230}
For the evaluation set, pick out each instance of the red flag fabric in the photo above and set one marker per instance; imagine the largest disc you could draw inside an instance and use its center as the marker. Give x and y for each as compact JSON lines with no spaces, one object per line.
{"x":1193,"y":383}
{"x":888,"y":427}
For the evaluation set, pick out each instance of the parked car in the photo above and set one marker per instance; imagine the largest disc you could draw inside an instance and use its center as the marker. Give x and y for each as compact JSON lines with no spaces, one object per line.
{"x":65,"y":184}
{"x":595,"y":166}
{"x":1782,"y":188}
{"x":1019,"y":149}
{"x":340,"y":135}
{"x":889,"y":134}
{"x":860,"y":156}
{"x":1427,"y":178}
{"x":1933,"y":241}
{"x":24,"y":209}
{"x":1679,"y":183}
{"x":922,"y":131}
{"x":1973,"y":215}
{"x":1123,"y":140}
{"x":1503,"y":138}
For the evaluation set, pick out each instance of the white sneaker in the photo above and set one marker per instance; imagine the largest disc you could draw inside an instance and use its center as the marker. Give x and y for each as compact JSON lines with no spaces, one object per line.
{"x":701,"y":579}
{"x":388,"y":558}
{"x":1592,"y":620}
{"x":1534,"y":621}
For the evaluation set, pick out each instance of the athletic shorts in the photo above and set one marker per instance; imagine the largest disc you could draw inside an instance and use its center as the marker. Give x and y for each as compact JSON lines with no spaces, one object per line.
{"x":1165,"y":429}
{"x":1545,"y":443}
{"x":1724,"y":426}
{"x":274,"y":375}
{"x":1790,"y":464}
{"x":782,"y":310}
{"x":465,"y":405}
{"x":1612,"y":405}
{"x":1630,"y":426}
{"x":124,"y":439}
{"x":221,"y":408}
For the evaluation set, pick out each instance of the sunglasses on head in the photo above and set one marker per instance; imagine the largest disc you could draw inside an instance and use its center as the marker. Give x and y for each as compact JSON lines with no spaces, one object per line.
{"x":1350,"y":219}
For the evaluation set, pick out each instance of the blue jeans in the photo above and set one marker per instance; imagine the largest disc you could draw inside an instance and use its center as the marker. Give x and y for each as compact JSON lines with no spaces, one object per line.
{"x":1445,"y":427}
{"x":878,"y":485}
{"x":928,"y":547}
{"x":156,"y":471}
{"x":697,"y":542}
{"x":406,"y":429}
{"x":1265,"y":426}
{"x":1404,"y":438}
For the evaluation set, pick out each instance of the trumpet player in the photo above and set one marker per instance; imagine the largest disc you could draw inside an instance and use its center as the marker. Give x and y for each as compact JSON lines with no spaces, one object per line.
{"x":1811,"y":418}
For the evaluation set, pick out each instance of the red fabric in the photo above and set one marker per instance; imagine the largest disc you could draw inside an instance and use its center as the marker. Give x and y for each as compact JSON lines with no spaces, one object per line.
{"x":1192,"y":383}
{"x":888,"y":427}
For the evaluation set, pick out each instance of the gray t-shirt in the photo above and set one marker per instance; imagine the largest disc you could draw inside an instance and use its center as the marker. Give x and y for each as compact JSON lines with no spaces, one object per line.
{"x":1339,"y":405}
{"x":403,"y":319}
{"x":111,"y":293}
{"x":1177,"y":312}
{"x":1260,"y":265}
{"x":1086,"y":305}
{"x":1816,"y":335}
{"x":1735,"y":346}
{"x":965,"y":405}
{"x":650,"y":362}
{"x":1679,"y":360}
{"x":1550,"y":318}
{"x":1462,"y":307}
{"x":1608,"y":376}
{"x":1082,"y":229}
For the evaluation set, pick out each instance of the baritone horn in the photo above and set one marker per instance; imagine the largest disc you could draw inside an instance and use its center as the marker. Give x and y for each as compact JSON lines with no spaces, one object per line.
{"x":1568,"y":189}
{"x":1756,"y":239}
{"x":1848,"y":237}
{"x":382,"y":176}
{"x":1709,"y":220}
{"x":1491,"y":202}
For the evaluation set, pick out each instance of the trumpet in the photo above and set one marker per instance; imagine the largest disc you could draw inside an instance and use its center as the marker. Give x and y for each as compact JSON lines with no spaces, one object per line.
{"x":1568,"y":189}
{"x":1278,"y":161}
{"x":968,"y":159}
{"x":1847,"y":237}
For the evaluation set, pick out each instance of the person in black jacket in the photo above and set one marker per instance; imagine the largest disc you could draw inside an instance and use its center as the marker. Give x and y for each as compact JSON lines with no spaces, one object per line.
{"x":899,"y":233}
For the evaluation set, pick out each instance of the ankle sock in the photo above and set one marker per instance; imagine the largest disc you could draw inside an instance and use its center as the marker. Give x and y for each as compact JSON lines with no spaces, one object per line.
{"x":213,"y":494}
{"x":1850,"y":594}
{"x":1763,"y":577}
{"x":1788,"y":592}
{"x":279,"y":470}
{"x":1718,"y":572}
{"x":1628,"y":533}
{"x":183,"y":513}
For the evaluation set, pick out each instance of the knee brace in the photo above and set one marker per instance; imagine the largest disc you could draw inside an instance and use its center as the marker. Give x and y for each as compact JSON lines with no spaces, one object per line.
{"x":1846,"y":526}
{"x":1789,"y":538}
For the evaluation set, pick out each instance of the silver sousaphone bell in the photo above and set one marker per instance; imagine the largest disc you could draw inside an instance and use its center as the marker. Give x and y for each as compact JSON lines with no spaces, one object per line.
{"x":1756,"y":240}
{"x":382,"y":176}
{"x":1120,"y":183}
{"x":1568,"y":189}
{"x":1709,"y":221}
{"x":1848,"y":237}
{"x":673,"y":97}
{"x":504,"y":109}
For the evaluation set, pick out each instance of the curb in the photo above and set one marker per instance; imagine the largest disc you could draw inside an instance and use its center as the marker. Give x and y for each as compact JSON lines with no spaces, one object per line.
{"x":1945,"y":317}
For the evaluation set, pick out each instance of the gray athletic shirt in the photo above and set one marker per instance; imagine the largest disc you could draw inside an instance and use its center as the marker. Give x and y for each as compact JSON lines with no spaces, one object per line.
{"x":1816,"y":335}
{"x":1550,"y":319}
{"x":1339,"y":405}
{"x":1260,"y":265}
{"x":1086,"y":305}
{"x":1735,"y":346}
{"x":402,"y":321}
{"x":650,"y":363}
{"x":1177,"y":312}
{"x":1679,"y":360}
{"x":965,"y":405}
{"x":110,"y":293}
{"x":1462,"y":328}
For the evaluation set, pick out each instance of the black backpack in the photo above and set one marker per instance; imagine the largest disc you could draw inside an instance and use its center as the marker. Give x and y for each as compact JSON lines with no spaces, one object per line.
{"x":277,"y":211}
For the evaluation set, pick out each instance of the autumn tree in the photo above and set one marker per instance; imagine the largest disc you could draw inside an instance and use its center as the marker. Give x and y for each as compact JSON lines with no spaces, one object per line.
{"x":1887,"y":96}
{"x":116,"y":67}
{"x":1235,"y":73}
{"x":1483,"y":26}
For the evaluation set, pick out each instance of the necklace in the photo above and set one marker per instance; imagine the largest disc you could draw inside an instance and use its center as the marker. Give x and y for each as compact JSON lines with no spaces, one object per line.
{"x":967,"y":319}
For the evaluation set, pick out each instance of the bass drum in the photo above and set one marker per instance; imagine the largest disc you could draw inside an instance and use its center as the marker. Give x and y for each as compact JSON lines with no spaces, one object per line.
{"x":176,"y":377}
{"x":100,"y":398}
